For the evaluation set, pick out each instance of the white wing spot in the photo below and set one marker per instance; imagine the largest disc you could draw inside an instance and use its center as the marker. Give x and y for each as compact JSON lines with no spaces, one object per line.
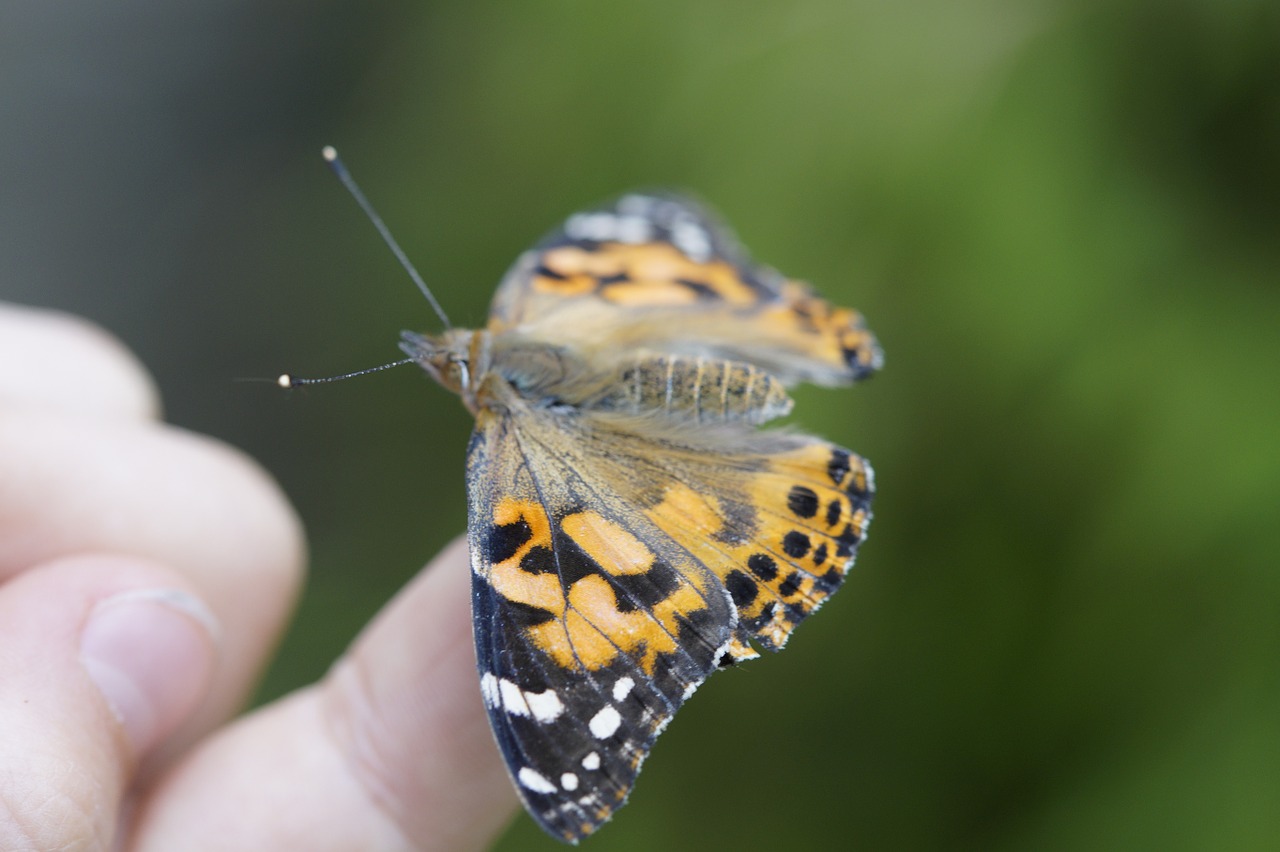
{"x":633,"y":229}
{"x":591,"y":762}
{"x":513,"y":698}
{"x":629,"y":227}
{"x":600,"y":227}
{"x":545,"y":706}
{"x":489,"y":689}
{"x":623,"y":688}
{"x":635,"y":205}
{"x":575,"y":226}
{"x":569,"y":781}
{"x":605,"y":723}
{"x":534,"y":781}
{"x":691,"y":238}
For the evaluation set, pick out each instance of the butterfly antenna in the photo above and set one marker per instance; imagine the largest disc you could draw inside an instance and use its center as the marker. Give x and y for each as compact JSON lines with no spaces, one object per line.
{"x":331,"y":157}
{"x":288,"y":381}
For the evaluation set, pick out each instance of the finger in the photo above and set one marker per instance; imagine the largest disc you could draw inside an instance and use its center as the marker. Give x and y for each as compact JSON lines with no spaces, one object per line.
{"x":59,"y":362}
{"x":413,"y":724}
{"x":392,"y":751}
{"x":73,"y":484}
{"x":103,"y":658}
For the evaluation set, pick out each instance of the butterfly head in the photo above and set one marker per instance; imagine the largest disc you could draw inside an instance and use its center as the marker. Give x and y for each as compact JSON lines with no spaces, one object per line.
{"x":457,"y":359}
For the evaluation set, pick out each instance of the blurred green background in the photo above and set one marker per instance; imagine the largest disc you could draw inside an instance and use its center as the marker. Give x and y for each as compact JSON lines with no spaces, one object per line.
{"x":1062,"y":219}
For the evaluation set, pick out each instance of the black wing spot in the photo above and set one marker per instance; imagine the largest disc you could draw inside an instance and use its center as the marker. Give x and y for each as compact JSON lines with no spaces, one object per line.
{"x":790,"y":585}
{"x":820,"y":555}
{"x":838,"y":466}
{"x":803,"y":501}
{"x":834,"y":512}
{"x":505,"y":541}
{"x":763,"y":566}
{"x":539,"y":560}
{"x":796,"y":544}
{"x":742,"y":588}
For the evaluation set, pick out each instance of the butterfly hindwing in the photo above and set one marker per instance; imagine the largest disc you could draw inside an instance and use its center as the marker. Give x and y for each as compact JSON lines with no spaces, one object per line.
{"x":780,"y":538}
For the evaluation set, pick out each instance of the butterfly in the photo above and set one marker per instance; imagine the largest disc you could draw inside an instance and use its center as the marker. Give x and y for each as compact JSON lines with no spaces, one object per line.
{"x":631,"y":529}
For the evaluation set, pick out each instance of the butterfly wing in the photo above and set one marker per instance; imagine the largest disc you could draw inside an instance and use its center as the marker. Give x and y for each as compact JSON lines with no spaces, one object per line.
{"x":658,"y":271}
{"x":587,"y":640}
{"x":617,"y":563}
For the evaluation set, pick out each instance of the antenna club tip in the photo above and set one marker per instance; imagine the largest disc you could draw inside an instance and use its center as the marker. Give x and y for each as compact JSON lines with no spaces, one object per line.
{"x":329,"y":153}
{"x":285,"y":380}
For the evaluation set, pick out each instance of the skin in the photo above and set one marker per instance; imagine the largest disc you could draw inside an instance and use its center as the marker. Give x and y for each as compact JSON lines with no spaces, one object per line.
{"x":145,"y":576}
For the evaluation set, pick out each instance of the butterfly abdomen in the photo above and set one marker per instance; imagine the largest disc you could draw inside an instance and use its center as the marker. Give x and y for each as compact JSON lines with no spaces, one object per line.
{"x":704,"y":390}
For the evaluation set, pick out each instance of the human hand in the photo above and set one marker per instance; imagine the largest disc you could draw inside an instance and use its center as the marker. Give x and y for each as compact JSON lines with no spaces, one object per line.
{"x":145,"y":575}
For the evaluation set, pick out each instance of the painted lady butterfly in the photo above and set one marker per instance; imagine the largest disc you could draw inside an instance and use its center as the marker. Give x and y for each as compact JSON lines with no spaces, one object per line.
{"x":631,"y":530}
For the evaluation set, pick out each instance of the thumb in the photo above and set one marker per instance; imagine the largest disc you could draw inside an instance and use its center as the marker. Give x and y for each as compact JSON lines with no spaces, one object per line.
{"x":101,"y":657}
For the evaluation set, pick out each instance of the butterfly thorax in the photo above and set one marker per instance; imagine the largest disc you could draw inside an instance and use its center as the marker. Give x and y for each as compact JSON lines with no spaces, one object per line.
{"x":503,"y":372}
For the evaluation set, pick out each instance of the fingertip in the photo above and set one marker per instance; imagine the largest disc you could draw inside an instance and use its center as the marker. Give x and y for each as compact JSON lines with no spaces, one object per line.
{"x":103,"y":657}
{"x":62,"y":362}
{"x":150,"y":652}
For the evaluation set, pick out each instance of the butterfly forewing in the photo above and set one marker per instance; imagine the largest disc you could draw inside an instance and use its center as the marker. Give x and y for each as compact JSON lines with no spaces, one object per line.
{"x":658,"y":271}
{"x":591,"y":628}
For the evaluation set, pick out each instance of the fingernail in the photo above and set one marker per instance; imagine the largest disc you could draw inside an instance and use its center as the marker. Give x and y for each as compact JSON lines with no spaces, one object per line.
{"x":150,"y":652}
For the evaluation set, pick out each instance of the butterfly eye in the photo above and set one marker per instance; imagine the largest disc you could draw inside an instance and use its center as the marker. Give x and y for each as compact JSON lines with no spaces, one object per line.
{"x":459,"y":371}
